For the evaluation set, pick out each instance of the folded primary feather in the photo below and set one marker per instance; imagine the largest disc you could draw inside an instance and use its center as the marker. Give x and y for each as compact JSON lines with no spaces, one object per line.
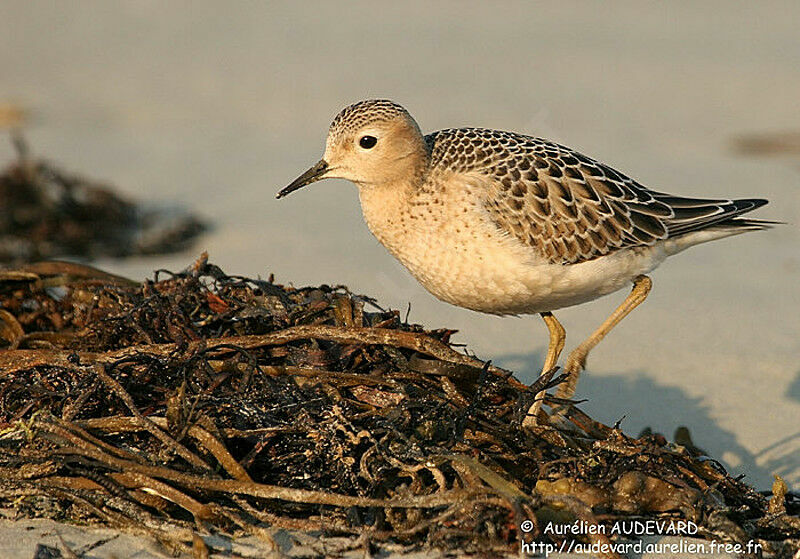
{"x":569,"y":207}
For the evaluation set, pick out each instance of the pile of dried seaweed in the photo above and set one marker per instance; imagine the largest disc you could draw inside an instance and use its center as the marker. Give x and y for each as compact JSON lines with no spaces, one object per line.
{"x":208,"y":402}
{"x":48,"y":213}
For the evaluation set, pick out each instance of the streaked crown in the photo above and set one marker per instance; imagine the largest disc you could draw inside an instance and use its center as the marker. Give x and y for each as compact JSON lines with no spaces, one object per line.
{"x":358,"y":115}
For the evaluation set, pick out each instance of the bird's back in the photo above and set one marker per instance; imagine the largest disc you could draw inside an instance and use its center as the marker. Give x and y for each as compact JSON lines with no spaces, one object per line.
{"x":568,"y":207}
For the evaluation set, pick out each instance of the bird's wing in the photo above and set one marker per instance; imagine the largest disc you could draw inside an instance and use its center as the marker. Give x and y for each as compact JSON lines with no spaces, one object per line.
{"x":566,"y":206}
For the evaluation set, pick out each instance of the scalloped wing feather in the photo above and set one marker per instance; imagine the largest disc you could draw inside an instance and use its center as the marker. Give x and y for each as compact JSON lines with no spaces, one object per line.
{"x":566,"y":206}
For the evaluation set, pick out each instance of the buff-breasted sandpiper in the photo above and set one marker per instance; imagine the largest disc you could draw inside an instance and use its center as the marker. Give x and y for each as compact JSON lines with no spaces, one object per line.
{"x":509,"y":224}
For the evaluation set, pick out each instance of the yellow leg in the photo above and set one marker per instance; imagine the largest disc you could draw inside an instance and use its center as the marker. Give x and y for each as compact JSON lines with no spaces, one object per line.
{"x":577,"y":359}
{"x":557,"y":338}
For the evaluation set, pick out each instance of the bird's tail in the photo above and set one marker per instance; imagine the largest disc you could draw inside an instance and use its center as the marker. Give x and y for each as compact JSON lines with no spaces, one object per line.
{"x":693,"y":225}
{"x":742,"y":225}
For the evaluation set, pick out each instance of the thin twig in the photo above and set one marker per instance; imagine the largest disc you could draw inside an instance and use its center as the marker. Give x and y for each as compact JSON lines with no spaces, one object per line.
{"x":151,"y":427}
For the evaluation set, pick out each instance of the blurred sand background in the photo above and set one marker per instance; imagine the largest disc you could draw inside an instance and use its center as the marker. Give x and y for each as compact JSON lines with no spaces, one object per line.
{"x":218,"y":105}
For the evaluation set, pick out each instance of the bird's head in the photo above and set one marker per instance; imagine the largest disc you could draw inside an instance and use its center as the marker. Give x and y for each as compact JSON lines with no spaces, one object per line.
{"x":371,"y":143}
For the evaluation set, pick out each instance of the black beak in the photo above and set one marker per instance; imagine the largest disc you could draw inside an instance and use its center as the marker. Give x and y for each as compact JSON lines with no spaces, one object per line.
{"x":314,"y":174}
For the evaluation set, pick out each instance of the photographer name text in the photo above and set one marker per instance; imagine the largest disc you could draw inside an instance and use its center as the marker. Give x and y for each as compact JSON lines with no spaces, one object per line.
{"x":624,"y":528}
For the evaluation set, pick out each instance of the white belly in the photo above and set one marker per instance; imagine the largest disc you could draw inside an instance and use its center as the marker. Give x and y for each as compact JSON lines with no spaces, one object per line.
{"x":464,"y":259}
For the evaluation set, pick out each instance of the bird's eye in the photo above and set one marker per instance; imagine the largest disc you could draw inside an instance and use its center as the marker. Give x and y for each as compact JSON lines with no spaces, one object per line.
{"x":368,"y":142}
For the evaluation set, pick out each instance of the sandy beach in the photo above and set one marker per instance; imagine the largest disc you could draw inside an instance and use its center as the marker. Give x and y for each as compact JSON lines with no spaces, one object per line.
{"x":217,"y":107}
{"x":218,"y":113}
